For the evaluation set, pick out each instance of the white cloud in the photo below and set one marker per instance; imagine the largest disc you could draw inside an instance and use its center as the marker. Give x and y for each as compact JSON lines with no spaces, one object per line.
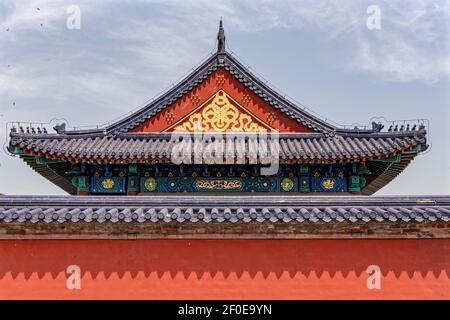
{"x":413,"y":44}
{"x":160,"y":39}
{"x":28,"y":15}
{"x":401,"y":61}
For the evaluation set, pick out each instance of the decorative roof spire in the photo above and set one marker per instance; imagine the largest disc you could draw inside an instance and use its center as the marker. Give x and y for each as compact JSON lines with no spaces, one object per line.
{"x":221,"y":38}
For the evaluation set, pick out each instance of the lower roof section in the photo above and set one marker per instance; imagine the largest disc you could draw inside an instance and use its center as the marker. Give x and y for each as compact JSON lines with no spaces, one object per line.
{"x":160,"y":146}
{"x":224,"y":217}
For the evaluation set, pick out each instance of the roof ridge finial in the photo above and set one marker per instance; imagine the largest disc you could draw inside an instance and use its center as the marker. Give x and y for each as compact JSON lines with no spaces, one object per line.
{"x":221,"y":38}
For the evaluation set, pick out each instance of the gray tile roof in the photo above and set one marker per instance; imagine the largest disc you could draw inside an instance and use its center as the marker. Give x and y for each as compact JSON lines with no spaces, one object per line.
{"x":223,"y":209}
{"x":144,"y":147}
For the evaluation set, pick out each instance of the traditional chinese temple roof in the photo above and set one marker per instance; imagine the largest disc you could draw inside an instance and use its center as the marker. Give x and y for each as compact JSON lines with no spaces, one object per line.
{"x":121,"y":143}
{"x":281,"y":216}
{"x":129,"y":148}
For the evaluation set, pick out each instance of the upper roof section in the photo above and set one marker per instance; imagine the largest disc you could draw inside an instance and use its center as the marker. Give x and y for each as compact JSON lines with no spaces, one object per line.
{"x":222,"y":72}
{"x":222,"y":95}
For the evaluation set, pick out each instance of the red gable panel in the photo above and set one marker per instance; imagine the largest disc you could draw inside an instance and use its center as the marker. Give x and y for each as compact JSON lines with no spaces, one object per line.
{"x":217,"y":81}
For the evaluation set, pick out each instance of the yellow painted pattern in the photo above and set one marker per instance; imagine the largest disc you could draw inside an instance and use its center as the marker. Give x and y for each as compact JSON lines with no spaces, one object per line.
{"x":328,"y":184}
{"x":219,"y":184}
{"x":220,"y":114}
{"x":108,"y":184}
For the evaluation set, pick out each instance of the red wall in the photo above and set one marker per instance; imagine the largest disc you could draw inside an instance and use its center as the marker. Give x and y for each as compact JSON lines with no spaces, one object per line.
{"x":224,"y":269}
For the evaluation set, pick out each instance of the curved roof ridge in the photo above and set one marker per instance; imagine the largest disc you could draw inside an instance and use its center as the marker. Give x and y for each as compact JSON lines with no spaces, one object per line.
{"x":242,"y":74}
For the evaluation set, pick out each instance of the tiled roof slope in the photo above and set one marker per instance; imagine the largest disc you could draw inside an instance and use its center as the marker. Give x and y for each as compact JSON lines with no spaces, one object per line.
{"x":222,"y":209}
{"x":292,"y":211}
{"x":159,"y":146}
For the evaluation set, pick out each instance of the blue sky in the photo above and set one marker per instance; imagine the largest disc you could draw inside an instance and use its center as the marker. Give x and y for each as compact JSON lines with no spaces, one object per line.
{"x":320,"y":53}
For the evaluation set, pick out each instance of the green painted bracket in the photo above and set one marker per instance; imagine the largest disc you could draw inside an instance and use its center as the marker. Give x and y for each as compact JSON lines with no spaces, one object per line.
{"x":133,"y":184}
{"x":304,"y":184}
{"x":304,"y":169}
{"x":45,"y":160}
{"x":132,"y":168}
{"x":19,"y":151}
{"x":75,"y":182}
{"x":355,"y":184}
{"x":417,"y":148}
{"x":393,"y":159}
{"x":81,"y":183}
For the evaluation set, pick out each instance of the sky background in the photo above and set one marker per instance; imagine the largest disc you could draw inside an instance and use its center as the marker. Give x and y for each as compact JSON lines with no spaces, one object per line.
{"x":320,"y":53}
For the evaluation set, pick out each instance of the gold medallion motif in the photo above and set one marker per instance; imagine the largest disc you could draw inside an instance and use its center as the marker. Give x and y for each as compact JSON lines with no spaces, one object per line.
{"x":328,"y":184}
{"x":108,"y":184}
{"x":220,"y":114}
{"x":287,"y":184}
{"x":150,"y":184}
